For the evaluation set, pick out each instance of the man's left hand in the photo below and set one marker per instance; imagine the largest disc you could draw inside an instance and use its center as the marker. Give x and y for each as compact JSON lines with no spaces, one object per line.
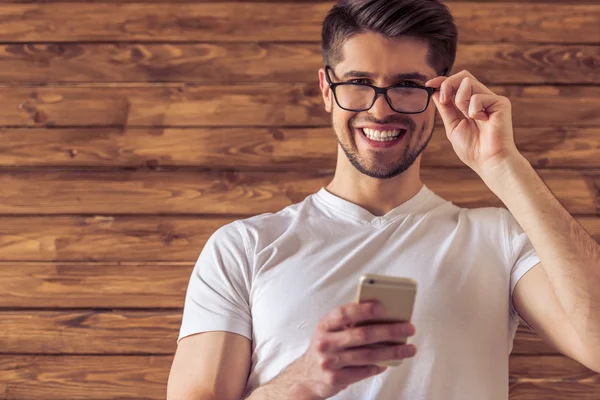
{"x":478,"y":122}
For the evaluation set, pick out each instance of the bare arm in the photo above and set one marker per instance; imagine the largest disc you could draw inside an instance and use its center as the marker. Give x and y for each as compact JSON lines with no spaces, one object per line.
{"x":210,"y":366}
{"x":567,"y":289}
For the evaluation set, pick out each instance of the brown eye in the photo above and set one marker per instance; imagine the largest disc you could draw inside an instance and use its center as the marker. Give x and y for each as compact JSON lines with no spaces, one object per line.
{"x":408,"y":83}
{"x":359,"y":81}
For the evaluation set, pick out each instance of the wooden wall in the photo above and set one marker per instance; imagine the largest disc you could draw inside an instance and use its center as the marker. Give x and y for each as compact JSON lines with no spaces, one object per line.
{"x":130,"y":131}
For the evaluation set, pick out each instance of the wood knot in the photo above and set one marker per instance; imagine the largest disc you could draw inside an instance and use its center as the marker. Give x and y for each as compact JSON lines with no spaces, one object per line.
{"x":152,"y":164}
{"x":278,"y":134}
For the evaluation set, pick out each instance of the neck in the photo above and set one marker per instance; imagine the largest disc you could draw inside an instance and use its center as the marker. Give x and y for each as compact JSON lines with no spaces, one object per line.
{"x":378,"y":196}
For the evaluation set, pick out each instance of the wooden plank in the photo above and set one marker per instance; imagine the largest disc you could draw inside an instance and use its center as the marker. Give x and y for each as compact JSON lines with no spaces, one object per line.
{"x":122,"y":238}
{"x":528,"y":342}
{"x":128,"y":332}
{"x":552,"y":378}
{"x":145,"y":377}
{"x":94,"y":285}
{"x":84,"y":377}
{"x":241,"y":21}
{"x":270,"y":62}
{"x":259,"y":105}
{"x":105,"y":238}
{"x":50,"y":285}
{"x":188,"y":191}
{"x":264,"y":148}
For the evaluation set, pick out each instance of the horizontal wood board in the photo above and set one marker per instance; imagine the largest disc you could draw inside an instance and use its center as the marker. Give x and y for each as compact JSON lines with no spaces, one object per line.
{"x":492,"y":63}
{"x":253,"y":105}
{"x":257,"y":148}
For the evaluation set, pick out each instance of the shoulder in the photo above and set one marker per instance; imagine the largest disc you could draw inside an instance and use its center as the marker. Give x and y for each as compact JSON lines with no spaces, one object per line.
{"x":490,"y":217}
{"x":261,"y":230}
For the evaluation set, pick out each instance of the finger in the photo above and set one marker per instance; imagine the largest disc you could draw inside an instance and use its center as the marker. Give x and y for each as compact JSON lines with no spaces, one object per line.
{"x":450,"y":86}
{"x":350,"y":314}
{"x":436,"y":82}
{"x":368,"y":334}
{"x":372,"y":355}
{"x":482,"y":106}
{"x":449,"y":113}
{"x":463,"y":96}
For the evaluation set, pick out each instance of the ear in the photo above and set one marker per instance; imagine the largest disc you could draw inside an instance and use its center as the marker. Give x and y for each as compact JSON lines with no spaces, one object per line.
{"x":325,"y":91}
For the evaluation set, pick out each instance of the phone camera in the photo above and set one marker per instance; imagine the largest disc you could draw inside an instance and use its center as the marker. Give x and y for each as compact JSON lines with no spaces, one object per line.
{"x":371,"y":281}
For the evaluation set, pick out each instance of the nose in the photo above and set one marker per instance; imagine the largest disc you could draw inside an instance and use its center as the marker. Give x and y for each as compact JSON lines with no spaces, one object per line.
{"x":381,"y":108}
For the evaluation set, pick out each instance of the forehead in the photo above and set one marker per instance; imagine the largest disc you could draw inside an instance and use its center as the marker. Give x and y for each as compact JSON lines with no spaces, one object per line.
{"x":371,"y":52}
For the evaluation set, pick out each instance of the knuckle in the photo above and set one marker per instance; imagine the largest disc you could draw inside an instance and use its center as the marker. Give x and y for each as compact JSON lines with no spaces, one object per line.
{"x":364,"y":355}
{"x":402,"y":351}
{"x":331,"y":378}
{"x":370,"y":309}
{"x":325,"y":362}
{"x":342,"y":317}
{"x":361,"y":335}
{"x":370,"y":355}
{"x":321,"y":344}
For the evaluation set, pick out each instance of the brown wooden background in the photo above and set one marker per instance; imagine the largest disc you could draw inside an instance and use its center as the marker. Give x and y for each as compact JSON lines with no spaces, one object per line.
{"x":130,"y":131}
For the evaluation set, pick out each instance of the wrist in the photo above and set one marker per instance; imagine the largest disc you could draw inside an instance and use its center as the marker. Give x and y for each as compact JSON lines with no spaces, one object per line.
{"x":501,"y":175}
{"x":280,"y":389}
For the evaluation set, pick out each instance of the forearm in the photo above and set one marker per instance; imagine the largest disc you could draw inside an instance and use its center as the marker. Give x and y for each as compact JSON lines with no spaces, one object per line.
{"x":569,"y":255}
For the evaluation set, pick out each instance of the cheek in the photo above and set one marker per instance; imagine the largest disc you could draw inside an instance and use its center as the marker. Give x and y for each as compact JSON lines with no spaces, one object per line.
{"x":342,"y":120}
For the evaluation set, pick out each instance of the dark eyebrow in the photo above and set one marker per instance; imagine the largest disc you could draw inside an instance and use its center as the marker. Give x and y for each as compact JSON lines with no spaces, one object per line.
{"x":399,"y":77}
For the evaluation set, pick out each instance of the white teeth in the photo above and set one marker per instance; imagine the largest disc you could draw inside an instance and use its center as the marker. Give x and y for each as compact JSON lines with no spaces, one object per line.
{"x":381,"y":136}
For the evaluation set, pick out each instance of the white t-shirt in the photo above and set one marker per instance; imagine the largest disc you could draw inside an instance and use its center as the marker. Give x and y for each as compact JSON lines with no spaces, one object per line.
{"x":272,"y":277}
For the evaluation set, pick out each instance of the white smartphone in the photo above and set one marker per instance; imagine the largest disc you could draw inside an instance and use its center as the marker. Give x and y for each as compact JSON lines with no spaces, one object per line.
{"x":396,"y":294}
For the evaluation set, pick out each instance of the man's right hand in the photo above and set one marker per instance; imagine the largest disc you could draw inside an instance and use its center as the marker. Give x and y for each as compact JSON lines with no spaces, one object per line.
{"x":337,"y":356}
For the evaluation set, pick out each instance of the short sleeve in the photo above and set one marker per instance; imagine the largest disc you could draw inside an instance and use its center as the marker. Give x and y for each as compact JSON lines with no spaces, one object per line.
{"x":217,"y":297}
{"x":523,"y":256}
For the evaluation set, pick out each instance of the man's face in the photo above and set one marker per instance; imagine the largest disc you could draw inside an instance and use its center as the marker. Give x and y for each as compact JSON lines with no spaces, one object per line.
{"x":371,"y":58}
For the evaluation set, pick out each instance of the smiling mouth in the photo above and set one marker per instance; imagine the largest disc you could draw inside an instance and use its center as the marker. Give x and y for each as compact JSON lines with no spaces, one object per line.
{"x":382,"y":136}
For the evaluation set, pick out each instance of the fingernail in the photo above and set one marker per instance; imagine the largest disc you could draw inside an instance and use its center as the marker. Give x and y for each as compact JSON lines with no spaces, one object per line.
{"x":442,"y":97}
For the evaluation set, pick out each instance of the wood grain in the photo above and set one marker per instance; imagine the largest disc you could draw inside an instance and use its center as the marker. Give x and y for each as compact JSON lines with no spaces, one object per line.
{"x":53,"y":377}
{"x":186,"y":191}
{"x":105,"y":238}
{"x":129,"y":332}
{"x":94,"y":285}
{"x":84,"y":377}
{"x":270,"y":62}
{"x":551,"y":377}
{"x":241,"y":21}
{"x":121,"y":238}
{"x":259,"y":148}
{"x":259,"y":105}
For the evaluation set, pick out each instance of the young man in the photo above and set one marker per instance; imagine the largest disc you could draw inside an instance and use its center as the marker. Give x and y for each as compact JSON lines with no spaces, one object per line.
{"x":270,"y":309}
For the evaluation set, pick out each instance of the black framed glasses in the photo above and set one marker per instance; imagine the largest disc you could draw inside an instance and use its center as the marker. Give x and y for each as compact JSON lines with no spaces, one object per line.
{"x":357,"y":97}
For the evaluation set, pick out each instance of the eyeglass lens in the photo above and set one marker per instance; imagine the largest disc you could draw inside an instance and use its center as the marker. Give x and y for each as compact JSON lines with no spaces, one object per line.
{"x":403,"y":99}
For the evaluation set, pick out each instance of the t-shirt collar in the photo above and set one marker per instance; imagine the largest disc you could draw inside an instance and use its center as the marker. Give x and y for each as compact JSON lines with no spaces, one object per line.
{"x":336,"y":203}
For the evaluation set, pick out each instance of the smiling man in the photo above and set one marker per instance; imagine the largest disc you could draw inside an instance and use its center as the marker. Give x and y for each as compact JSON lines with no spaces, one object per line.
{"x":270,"y":311}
